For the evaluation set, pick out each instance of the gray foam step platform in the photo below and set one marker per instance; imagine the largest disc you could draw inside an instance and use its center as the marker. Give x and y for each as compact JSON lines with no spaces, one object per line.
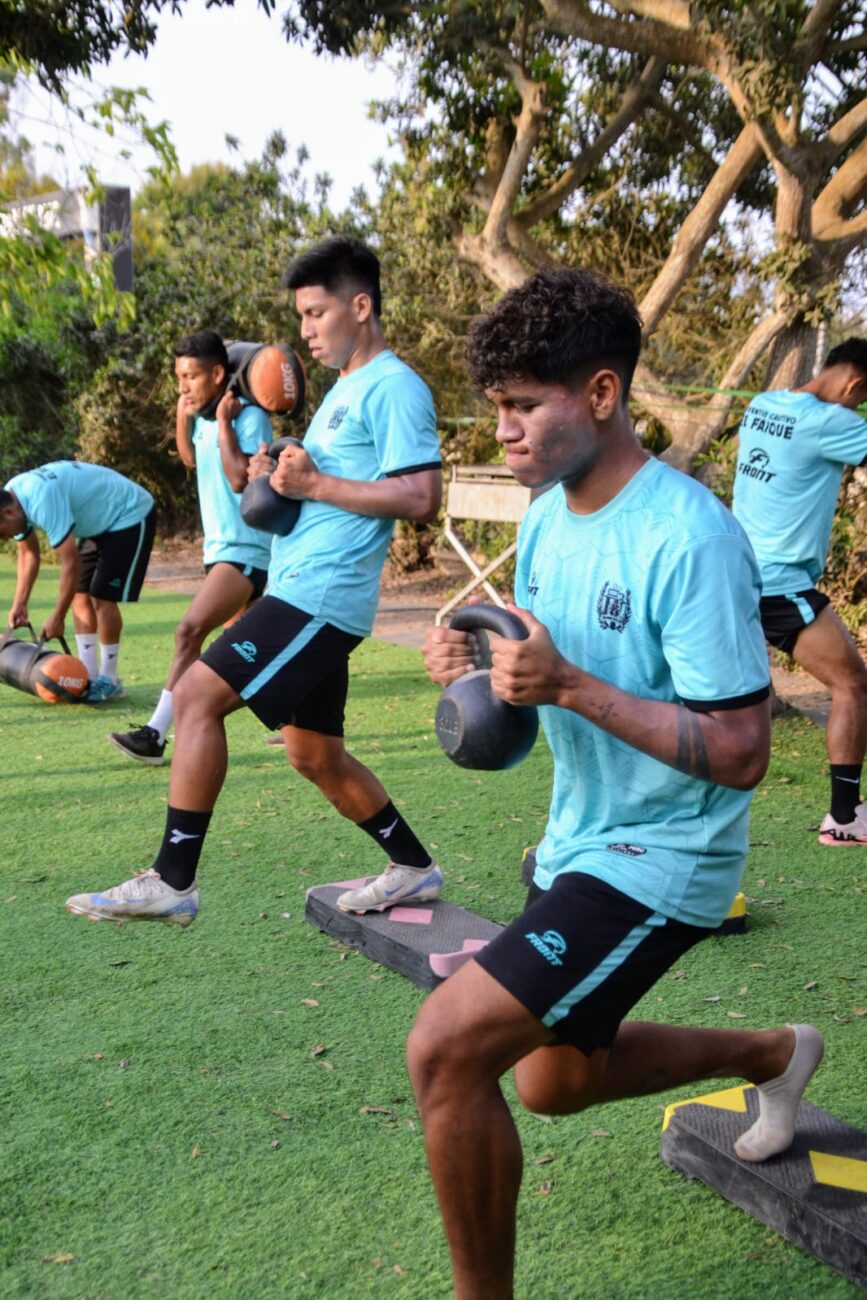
{"x":814,"y":1194}
{"x":423,"y":941}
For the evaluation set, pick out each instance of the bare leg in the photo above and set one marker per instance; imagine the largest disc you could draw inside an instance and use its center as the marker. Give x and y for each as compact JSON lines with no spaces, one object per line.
{"x":468,"y":1033}
{"x":202,"y":702}
{"x":83,"y":614}
{"x":222,"y":594}
{"x":826,"y":650}
{"x":351,"y":787}
{"x":109,"y":621}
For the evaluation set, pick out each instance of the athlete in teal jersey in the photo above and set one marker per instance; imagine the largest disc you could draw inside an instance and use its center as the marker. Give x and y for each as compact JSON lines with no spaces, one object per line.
{"x":793,"y":448}
{"x":226,"y":537}
{"x":101,"y":526}
{"x":71,"y":497}
{"x":371,"y":456}
{"x":225,"y":436}
{"x":660,"y":565}
{"x":639,"y":594}
{"x":375,"y":422}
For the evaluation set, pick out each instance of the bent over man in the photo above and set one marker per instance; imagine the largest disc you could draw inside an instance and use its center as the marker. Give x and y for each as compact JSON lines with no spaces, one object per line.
{"x":639,"y":592}
{"x":371,"y":456}
{"x":101,"y":527}
{"x":793,"y":448}
{"x":226,"y":434}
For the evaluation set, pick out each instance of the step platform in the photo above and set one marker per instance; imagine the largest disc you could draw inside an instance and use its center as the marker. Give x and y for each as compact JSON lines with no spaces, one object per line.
{"x":814,"y":1194}
{"x":425,"y":942}
{"x":735,"y":922}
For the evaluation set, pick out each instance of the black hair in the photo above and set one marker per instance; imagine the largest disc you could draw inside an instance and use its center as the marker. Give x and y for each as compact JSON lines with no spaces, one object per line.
{"x":6,"y":499}
{"x":204,"y":345}
{"x":340,"y":262}
{"x":853,"y":352}
{"x":553,"y":328}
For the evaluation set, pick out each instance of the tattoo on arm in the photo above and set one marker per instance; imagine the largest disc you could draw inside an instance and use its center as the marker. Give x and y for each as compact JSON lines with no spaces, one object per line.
{"x":691,"y":754}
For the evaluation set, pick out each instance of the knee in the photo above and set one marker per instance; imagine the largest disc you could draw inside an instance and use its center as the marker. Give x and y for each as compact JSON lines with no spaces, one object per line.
{"x":192,"y":696}
{"x":189,"y":636}
{"x":432,"y":1058}
{"x":554,"y":1082}
{"x":319,"y":765}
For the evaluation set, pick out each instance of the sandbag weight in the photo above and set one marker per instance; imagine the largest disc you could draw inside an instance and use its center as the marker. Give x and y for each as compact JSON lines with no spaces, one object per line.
{"x":265,"y":509}
{"x":474,"y":727}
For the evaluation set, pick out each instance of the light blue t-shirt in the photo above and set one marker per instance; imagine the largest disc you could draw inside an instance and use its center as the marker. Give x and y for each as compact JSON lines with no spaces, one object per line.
{"x":793,"y":447}
{"x":656,"y":593}
{"x":227,"y":537}
{"x":376,"y":422}
{"x":70,"y":496}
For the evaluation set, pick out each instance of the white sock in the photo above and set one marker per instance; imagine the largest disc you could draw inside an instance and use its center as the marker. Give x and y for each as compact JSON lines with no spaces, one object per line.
{"x":85,"y":644}
{"x":780,"y":1098}
{"x":108,"y":661}
{"x":161,"y":718}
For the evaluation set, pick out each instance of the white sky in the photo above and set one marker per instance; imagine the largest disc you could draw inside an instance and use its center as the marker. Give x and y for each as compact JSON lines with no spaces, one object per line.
{"x":225,"y":71}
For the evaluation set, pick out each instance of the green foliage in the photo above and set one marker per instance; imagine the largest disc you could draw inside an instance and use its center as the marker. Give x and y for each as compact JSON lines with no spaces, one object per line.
{"x":225,"y":1111}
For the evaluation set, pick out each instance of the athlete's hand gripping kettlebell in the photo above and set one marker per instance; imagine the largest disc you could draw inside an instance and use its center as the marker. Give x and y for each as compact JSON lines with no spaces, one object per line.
{"x":474,"y":726}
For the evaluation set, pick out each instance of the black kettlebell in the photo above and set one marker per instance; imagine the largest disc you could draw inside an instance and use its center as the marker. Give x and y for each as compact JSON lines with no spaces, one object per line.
{"x":262,"y":507}
{"x":474,"y":726}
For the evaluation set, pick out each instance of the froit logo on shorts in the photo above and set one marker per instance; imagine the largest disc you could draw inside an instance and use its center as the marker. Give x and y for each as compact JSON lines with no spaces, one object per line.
{"x":551,"y":945}
{"x":246,"y":649}
{"x":115,"y":582}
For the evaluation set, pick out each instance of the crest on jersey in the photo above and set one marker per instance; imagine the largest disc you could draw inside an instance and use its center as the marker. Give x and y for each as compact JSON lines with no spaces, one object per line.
{"x":614,"y":607}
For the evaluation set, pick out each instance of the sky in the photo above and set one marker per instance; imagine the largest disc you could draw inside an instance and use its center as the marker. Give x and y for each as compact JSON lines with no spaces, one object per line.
{"x":225,"y":71}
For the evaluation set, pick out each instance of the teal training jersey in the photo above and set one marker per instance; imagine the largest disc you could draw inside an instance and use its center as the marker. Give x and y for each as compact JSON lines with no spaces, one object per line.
{"x":656,"y":593}
{"x":70,"y":496}
{"x":376,"y":422}
{"x":226,"y":536}
{"x":792,"y":451}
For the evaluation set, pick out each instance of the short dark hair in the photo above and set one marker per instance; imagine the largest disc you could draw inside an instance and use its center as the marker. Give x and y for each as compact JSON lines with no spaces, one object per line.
{"x":853,"y":352}
{"x":553,"y":328}
{"x":6,"y":499}
{"x":340,"y":262}
{"x":204,"y":345}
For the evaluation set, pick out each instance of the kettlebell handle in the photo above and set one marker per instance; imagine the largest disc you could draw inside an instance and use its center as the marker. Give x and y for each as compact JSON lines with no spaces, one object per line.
{"x":279,"y":444}
{"x":502,"y":622}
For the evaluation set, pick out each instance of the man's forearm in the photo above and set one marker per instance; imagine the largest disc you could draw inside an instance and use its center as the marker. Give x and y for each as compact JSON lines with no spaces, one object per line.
{"x":728,"y":748}
{"x":407,"y":496}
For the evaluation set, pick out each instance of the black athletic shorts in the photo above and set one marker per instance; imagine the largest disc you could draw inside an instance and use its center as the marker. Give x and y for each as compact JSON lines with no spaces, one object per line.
{"x":288,"y":667}
{"x":581,"y":956}
{"x":785,"y":617}
{"x":258,"y":577}
{"x":113,"y":565}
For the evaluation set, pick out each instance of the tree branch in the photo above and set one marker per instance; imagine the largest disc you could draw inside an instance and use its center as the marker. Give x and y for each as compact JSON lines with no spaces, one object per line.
{"x":846,"y":187}
{"x":528,"y":128}
{"x":631,"y":103}
{"x":649,"y":37}
{"x":691,"y":238}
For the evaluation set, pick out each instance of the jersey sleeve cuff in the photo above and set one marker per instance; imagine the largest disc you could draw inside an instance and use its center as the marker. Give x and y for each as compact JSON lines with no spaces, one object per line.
{"x":735,"y":702}
{"x":414,"y":469}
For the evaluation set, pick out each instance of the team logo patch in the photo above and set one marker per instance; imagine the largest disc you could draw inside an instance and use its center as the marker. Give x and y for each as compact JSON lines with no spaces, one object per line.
{"x":337,"y":416}
{"x":551,"y":945}
{"x":629,"y":850}
{"x":246,"y":649}
{"x":614,"y":607}
{"x":757,"y":466}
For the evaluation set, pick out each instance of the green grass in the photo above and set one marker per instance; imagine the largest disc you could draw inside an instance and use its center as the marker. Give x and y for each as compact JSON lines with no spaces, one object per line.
{"x":184,"y":1112}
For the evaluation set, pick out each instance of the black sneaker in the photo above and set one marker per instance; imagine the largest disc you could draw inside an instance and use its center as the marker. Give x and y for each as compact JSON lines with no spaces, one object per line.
{"x":144,"y":744}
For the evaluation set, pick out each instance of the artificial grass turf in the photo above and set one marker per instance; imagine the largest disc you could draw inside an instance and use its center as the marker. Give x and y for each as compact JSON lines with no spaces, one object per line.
{"x":224,"y":1111}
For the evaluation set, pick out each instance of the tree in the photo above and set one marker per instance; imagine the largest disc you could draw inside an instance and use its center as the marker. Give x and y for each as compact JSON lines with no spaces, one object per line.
{"x":554,"y":127}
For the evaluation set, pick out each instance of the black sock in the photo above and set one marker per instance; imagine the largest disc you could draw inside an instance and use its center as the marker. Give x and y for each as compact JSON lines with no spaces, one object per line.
{"x":845,"y":791}
{"x":394,"y":836}
{"x":181,"y":848}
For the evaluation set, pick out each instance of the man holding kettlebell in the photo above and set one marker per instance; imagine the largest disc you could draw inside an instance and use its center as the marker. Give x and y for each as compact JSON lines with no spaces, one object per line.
{"x":645,"y":656}
{"x":370,"y":456}
{"x":225,"y":435}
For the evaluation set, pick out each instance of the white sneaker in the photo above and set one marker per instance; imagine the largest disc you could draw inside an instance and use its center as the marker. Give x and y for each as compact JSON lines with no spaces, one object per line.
{"x":144,"y":898}
{"x":397,"y":884}
{"x":840,"y":834}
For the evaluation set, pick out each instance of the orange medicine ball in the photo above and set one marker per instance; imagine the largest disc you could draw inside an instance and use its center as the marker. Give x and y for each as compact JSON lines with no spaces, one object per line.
{"x":59,"y":678}
{"x":274,"y":378}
